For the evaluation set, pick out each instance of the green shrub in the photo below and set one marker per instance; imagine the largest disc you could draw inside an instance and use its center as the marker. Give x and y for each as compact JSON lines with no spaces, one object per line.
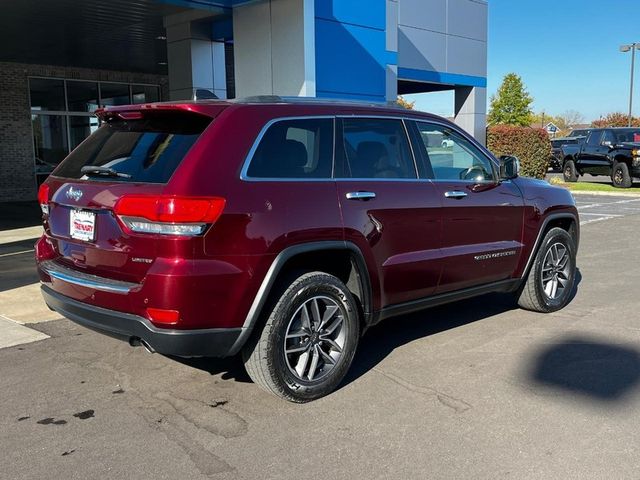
{"x":531,"y":145}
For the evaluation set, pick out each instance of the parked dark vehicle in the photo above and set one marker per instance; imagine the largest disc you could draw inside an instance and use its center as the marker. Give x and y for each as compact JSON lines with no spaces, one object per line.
{"x":614,"y":152}
{"x":555,"y":162}
{"x":282,"y":230}
{"x":579,"y":132}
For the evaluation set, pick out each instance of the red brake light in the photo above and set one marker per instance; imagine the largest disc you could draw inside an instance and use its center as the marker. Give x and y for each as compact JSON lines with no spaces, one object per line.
{"x":130,"y":115}
{"x":170,"y":209}
{"x":43,"y":198}
{"x":168,"y":215}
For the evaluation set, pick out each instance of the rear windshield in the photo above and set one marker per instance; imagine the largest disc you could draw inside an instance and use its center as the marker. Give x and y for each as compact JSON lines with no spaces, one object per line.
{"x":146,"y":150}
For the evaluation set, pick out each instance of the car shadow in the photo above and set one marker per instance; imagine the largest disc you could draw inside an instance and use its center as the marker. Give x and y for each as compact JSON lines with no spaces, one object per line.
{"x":230,"y":368}
{"x":17,"y":264}
{"x":587,"y":367}
{"x":382,"y":339}
{"x":19,"y":215}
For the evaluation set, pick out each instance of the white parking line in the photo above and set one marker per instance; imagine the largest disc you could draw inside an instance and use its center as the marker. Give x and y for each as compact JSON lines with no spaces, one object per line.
{"x":591,"y":205}
{"x":15,"y":253}
{"x":609,"y":215}
{"x":599,"y":219}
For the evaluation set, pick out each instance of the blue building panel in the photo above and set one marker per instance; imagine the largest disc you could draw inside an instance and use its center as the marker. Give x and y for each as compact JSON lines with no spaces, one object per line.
{"x":366,"y":13}
{"x":351,"y":55}
{"x":441,"y":77}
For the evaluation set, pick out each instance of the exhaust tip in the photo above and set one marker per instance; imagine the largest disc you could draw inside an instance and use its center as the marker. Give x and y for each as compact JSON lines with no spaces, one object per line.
{"x":138,"y":342}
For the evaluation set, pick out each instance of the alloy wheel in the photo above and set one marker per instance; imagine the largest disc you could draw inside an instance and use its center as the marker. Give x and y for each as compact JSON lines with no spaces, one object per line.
{"x":618,"y":177}
{"x":315,"y":338}
{"x":556,"y":270}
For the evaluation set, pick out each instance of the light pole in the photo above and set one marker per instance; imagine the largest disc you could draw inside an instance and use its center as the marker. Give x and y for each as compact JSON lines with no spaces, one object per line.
{"x":624,"y":49}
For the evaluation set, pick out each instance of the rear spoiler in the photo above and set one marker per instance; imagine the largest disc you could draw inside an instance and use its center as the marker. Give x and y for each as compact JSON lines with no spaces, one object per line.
{"x":133,"y":112}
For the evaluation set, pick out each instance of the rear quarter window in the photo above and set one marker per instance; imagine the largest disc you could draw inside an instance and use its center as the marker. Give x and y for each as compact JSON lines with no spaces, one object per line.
{"x":145,"y":150}
{"x":296,"y":148}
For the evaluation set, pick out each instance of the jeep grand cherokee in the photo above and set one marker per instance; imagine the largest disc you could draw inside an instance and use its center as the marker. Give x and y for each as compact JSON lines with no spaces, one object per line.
{"x":283,"y":229}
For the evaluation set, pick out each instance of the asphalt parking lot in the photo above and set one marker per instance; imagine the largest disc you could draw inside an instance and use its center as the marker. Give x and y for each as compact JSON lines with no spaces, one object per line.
{"x":478,"y":389}
{"x":598,"y":208}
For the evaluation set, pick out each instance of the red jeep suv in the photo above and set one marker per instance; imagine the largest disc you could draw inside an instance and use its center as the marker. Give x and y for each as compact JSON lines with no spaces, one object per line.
{"x":283,"y":229}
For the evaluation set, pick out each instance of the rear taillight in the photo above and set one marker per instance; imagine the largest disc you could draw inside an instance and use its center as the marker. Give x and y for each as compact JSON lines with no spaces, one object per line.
{"x":168,"y":215}
{"x":43,"y":198}
{"x":44,"y":249}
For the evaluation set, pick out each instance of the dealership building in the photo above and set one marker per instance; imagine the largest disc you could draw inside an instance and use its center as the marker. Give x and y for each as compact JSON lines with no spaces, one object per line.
{"x":60,"y":60}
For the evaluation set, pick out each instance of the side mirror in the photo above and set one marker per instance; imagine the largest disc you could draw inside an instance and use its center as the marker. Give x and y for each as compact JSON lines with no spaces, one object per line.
{"x":509,"y":167}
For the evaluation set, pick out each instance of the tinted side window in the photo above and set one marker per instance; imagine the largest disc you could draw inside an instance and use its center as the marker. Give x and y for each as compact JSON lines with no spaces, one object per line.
{"x":594,"y":139}
{"x":453,"y":157}
{"x":609,"y":137}
{"x":375,"y":148}
{"x":295,"y":149}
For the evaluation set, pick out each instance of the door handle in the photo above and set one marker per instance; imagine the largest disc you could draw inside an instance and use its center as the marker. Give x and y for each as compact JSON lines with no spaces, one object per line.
{"x":455,"y":194}
{"x":360,"y":195}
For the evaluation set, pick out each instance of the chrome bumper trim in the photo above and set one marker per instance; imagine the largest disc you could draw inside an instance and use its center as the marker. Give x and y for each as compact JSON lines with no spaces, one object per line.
{"x":82,"y":279}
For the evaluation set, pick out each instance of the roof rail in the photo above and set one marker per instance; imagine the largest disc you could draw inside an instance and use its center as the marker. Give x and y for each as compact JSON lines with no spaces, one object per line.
{"x":287,"y":99}
{"x":259,"y":99}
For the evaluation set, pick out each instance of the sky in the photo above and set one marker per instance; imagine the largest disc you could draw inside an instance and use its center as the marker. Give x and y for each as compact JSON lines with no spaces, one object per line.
{"x":566,"y":51}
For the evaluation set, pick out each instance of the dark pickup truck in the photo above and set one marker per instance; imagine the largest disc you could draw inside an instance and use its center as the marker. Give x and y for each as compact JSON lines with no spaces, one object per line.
{"x":614,"y":152}
{"x":555,"y":162}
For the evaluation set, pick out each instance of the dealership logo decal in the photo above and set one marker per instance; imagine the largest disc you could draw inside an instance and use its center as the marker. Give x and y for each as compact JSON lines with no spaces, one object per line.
{"x":74,"y":194}
{"x":490,"y":256}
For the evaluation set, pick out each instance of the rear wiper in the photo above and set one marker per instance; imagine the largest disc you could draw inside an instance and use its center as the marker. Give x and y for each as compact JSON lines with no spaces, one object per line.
{"x":106,"y":171}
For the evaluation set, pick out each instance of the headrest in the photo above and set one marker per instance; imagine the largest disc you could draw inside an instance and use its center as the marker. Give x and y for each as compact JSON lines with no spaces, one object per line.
{"x":371,"y":151}
{"x":294,"y":153}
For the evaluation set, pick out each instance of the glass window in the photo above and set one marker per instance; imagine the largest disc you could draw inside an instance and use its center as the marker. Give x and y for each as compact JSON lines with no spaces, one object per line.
{"x":146,"y":150}
{"x":49,"y":140}
{"x":375,"y":148}
{"x":295,"y":149}
{"x":594,"y":138}
{"x":47,"y":94}
{"x":453,"y":157}
{"x":80,"y":127}
{"x":114,"y":94}
{"x":145,"y":94}
{"x":627,"y":135}
{"x":609,"y":137}
{"x":54,"y":135}
{"x":82,"y":96}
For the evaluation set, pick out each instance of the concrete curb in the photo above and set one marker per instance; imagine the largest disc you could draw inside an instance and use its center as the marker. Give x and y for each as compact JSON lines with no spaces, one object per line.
{"x":13,"y":333}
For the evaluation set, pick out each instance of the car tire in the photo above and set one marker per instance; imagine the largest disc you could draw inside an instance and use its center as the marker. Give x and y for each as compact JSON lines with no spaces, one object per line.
{"x":308,"y":341}
{"x":550,"y":281}
{"x":569,"y":171}
{"x":620,"y":177}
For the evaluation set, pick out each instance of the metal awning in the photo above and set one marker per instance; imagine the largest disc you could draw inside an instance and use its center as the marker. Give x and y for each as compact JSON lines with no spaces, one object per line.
{"x":125,"y":35}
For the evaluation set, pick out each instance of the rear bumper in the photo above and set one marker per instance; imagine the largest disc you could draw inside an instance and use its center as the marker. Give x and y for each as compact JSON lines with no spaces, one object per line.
{"x":214,"y":342}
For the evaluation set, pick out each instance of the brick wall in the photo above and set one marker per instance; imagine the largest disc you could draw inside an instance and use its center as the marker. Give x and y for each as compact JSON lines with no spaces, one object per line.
{"x":17,"y":179}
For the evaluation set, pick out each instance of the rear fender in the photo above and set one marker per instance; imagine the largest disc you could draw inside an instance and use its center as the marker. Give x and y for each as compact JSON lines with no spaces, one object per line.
{"x":276,"y":268}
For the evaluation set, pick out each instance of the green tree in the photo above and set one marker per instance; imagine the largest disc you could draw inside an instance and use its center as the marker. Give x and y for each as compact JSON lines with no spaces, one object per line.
{"x":540,"y":120}
{"x":511,"y":105}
